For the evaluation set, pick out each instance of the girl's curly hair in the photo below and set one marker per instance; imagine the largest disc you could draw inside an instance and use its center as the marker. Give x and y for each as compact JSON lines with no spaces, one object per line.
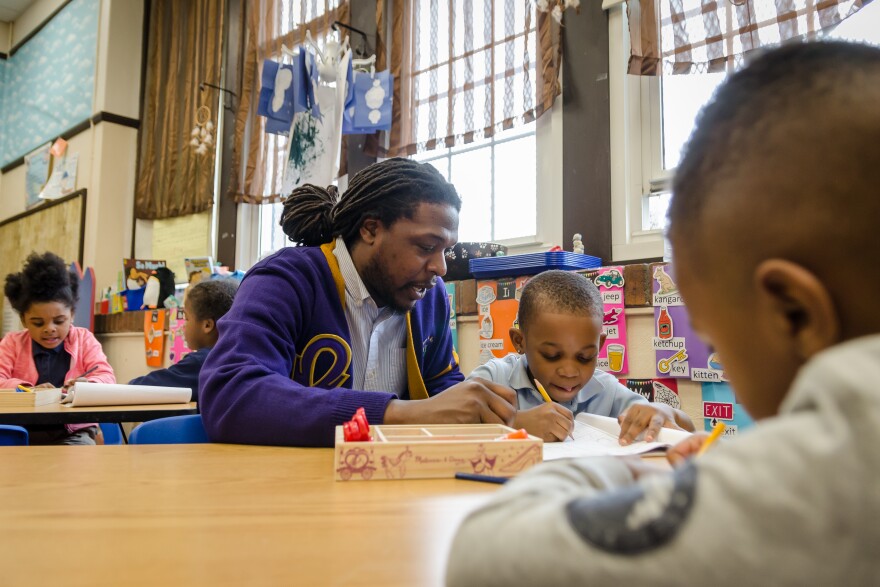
{"x":44,"y":278}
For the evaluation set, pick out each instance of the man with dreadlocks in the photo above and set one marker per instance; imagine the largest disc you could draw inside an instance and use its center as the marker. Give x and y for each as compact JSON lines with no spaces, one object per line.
{"x":355,"y":316}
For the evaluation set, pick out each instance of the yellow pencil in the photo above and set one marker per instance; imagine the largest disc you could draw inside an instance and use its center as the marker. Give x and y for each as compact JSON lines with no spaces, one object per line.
{"x":547,"y":399}
{"x":716,"y":432}
{"x":543,"y":392}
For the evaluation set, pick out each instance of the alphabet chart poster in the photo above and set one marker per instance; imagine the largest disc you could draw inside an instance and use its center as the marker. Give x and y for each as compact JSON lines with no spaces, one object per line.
{"x":613,"y":356}
{"x":720,"y":405}
{"x":497,"y":307}
{"x":678,"y":351}
{"x":453,"y":317}
{"x":498,"y":304}
{"x":656,"y":390}
{"x":176,"y":324}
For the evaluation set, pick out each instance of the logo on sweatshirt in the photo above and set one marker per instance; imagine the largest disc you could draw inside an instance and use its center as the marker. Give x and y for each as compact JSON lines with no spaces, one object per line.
{"x":324,"y":362}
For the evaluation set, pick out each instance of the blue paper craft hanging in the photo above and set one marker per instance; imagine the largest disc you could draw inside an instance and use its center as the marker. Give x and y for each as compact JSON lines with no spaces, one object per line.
{"x":286,"y":90}
{"x":369,"y":107}
{"x":277,"y":96}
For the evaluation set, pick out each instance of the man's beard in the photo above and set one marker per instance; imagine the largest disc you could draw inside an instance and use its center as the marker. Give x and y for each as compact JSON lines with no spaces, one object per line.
{"x":380,"y":286}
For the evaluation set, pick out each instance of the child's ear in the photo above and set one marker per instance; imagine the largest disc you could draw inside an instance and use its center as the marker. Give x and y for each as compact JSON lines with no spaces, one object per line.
{"x":518,"y":340}
{"x":208,"y":325}
{"x":798,"y":305}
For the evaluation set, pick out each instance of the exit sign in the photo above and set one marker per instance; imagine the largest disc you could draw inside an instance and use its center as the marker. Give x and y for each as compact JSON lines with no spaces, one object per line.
{"x":718,"y":410}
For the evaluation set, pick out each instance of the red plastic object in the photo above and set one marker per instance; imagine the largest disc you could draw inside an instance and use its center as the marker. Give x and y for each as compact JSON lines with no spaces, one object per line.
{"x":554,"y":249}
{"x":357,"y":429}
{"x":520,"y":434}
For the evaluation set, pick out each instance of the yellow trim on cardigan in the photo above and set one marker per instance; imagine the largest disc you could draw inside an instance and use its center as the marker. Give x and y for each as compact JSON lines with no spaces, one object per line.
{"x":415,"y":383}
{"x":327,"y":249}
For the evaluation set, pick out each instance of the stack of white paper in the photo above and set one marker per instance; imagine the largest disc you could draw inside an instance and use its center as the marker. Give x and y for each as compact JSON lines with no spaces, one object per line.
{"x":118,"y":394}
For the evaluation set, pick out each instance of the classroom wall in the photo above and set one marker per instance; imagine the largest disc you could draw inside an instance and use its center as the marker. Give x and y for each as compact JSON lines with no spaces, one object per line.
{"x":107,"y":151}
{"x":48,"y":84}
{"x":5,"y":36}
{"x":33,"y":17}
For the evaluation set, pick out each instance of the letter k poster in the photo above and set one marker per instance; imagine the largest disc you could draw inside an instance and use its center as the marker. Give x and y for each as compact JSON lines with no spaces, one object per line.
{"x":679,"y":352}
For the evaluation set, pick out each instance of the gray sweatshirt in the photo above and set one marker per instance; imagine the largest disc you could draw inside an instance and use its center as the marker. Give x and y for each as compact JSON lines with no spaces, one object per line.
{"x":795,"y":501}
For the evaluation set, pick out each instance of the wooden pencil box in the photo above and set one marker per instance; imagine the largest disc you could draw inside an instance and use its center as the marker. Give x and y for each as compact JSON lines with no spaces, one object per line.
{"x":10,"y":398}
{"x":434,"y":451}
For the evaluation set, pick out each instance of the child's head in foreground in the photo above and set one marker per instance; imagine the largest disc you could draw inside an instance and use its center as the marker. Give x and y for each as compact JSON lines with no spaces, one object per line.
{"x":44,"y":293}
{"x":774,"y":211}
{"x":560,"y":331}
{"x":205,"y":303}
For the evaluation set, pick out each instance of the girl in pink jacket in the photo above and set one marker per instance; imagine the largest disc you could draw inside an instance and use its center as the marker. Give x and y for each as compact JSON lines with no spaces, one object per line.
{"x":51,"y":352}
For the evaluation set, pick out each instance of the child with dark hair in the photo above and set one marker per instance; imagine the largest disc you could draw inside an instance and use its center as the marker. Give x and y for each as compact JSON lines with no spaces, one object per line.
{"x":51,"y":351}
{"x":774,"y":206}
{"x":557,"y":343}
{"x":356,"y":316}
{"x":205,"y":303}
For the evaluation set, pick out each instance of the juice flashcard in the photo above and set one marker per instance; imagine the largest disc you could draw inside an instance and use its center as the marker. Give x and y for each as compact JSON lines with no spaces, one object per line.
{"x":612,"y":357}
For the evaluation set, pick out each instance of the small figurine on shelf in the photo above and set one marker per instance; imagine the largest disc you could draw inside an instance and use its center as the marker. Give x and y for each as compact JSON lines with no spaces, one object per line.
{"x":577,"y":244}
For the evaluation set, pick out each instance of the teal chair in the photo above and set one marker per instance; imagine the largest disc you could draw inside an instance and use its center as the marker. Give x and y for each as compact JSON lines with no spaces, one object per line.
{"x":173,"y":430}
{"x":13,"y":435}
{"x":112,"y":433}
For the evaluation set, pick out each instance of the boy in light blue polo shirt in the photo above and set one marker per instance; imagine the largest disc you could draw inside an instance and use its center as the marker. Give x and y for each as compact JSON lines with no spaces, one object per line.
{"x":558,"y":341}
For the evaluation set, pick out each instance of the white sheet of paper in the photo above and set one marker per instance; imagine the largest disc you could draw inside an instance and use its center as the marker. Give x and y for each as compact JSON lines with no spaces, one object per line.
{"x":596,"y":436}
{"x":118,"y":394}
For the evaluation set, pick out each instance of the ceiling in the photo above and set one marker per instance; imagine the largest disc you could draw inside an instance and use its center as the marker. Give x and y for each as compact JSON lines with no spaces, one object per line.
{"x":12,"y":9}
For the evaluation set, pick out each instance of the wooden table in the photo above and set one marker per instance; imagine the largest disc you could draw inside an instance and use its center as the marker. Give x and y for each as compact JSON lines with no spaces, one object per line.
{"x":63,"y":414}
{"x":215,"y":515}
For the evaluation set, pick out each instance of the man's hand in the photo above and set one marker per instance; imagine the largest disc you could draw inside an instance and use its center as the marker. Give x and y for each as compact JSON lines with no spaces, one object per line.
{"x":549,"y":421}
{"x":647,"y":418}
{"x":469,"y":402}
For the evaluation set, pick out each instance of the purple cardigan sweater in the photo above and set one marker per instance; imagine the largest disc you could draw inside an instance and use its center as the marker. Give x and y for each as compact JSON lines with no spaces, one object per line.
{"x":280,"y":373}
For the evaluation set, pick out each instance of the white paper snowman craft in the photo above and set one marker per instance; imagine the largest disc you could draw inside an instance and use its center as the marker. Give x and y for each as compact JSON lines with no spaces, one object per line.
{"x":374,"y":98}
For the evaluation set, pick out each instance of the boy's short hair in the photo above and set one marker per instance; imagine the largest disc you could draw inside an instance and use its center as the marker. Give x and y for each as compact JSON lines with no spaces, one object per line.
{"x":559,"y":291}
{"x":211,"y":299}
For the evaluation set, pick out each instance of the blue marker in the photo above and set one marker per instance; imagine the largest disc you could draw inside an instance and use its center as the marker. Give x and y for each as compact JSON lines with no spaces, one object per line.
{"x":482,"y":478}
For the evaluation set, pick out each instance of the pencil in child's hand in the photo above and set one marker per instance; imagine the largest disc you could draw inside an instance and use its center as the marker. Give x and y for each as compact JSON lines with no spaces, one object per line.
{"x":81,"y":375}
{"x":716,"y":432}
{"x":543,"y":392}
{"x":547,"y":399}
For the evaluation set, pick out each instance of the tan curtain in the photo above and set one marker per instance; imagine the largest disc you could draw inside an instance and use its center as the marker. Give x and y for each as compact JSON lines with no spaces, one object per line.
{"x":184,"y":50}
{"x":467,"y":69}
{"x":695,"y":36}
{"x":258,"y":157}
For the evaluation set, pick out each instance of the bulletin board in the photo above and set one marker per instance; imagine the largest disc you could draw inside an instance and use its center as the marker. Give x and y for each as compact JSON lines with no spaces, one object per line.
{"x":56,"y":226}
{"x":180,"y":237}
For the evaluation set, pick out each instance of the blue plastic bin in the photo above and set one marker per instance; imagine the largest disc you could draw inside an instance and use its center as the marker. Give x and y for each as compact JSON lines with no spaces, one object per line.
{"x":531,"y":263}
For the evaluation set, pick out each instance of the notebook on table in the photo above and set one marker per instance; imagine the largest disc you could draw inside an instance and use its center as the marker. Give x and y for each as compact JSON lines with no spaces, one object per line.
{"x":596,"y":436}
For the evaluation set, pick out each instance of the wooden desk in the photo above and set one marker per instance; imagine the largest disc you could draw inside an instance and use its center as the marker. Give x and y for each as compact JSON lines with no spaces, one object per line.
{"x":62,"y":414}
{"x":216,"y":515}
